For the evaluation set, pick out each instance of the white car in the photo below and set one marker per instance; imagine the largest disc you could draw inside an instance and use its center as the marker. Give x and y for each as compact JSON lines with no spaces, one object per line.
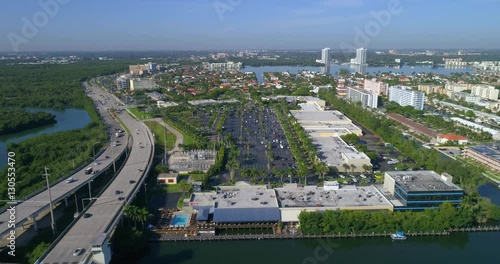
{"x":77,"y":251}
{"x":70,"y":180}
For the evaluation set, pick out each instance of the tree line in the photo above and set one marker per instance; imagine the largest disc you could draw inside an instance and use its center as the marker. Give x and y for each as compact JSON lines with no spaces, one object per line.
{"x":17,"y":120}
{"x":446,"y":218}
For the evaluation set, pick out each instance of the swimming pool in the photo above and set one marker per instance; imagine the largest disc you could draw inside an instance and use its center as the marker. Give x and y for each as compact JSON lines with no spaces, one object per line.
{"x":180,"y":220}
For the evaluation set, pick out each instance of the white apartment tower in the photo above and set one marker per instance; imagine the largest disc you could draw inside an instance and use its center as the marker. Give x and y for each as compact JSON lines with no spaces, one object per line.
{"x":367,"y":98}
{"x":360,"y":56}
{"x":325,"y":55}
{"x":406,"y":96}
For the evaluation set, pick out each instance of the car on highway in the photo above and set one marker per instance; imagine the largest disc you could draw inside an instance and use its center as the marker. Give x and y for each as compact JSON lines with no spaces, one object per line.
{"x":118,"y":192}
{"x":77,"y":252}
{"x":132,"y":181}
{"x":70,"y":180}
{"x":87,"y":215}
{"x":121,"y":198}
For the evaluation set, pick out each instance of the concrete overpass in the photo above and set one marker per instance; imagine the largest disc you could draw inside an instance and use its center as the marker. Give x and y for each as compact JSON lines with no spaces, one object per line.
{"x":27,"y":210}
{"x":93,"y":233}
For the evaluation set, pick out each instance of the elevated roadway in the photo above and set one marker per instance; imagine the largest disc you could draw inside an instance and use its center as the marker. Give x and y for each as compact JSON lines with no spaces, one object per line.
{"x":28,"y":209}
{"x":92,"y":231}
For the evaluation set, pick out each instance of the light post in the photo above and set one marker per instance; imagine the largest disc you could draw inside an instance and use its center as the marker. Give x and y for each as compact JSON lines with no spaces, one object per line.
{"x":113,"y":157}
{"x":90,"y":189}
{"x":146,"y":191}
{"x":53,"y":223}
{"x":93,"y":150}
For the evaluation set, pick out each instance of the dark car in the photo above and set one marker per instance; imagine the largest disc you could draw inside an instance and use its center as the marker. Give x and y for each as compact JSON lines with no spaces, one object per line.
{"x":121,"y":198}
{"x":87,"y":215}
{"x":118,"y":192}
{"x":132,"y":181}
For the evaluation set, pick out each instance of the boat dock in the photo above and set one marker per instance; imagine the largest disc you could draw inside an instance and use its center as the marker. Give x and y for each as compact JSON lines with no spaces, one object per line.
{"x":225,"y":237}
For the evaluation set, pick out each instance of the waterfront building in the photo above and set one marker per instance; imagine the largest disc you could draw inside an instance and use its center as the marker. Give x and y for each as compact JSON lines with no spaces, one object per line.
{"x":406,"y":96}
{"x":325,"y":56}
{"x":419,"y":190}
{"x":486,"y":154}
{"x":360,"y":56}
{"x":224,"y":66}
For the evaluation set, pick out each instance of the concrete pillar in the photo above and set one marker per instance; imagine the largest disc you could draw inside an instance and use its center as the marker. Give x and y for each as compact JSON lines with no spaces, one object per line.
{"x":66,"y":201}
{"x":35,"y":223}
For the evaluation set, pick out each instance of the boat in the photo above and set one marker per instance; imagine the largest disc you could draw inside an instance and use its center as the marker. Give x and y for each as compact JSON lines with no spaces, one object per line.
{"x":398,"y":236}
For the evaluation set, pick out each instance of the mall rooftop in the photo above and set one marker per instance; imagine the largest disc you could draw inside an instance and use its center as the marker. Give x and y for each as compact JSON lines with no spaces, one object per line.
{"x":345,"y":197}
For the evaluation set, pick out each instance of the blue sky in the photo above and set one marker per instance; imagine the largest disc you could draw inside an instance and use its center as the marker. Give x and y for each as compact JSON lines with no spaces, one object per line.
{"x":248,"y":24}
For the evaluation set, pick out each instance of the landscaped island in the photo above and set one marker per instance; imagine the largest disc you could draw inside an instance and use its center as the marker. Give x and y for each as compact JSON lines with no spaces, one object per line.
{"x":13,"y":121}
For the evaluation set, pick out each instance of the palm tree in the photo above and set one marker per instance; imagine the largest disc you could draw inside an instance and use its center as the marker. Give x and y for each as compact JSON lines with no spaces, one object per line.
{"x":128,"y":212}
{"x":131,"y":212}
{"x":322,"y":169}
{"x":346,"y":167}
{"x":184,"y":187}
{"x":353,"y":167}
{"x":366,"y":168}
{"x":142,"y":215}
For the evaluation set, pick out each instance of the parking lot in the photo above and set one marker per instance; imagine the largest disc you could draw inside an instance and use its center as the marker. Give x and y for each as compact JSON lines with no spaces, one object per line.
{"x":258,"y":133}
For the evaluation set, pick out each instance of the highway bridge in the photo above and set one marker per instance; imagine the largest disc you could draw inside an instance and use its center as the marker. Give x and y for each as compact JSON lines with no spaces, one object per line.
{"x":93,"y":230}
{"x":28,"y":209}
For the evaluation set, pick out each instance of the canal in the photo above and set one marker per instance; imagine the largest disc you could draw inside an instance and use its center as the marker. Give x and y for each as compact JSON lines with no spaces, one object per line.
{"x":67,"y":119}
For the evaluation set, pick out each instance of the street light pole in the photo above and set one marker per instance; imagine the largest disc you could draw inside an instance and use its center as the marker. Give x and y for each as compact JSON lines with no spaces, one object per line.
{"x":93,"y":150}
{"x":53,"y":223}
{"x":113,"y":156}
{"x":146,"y":191}
{"x":90,"y":189}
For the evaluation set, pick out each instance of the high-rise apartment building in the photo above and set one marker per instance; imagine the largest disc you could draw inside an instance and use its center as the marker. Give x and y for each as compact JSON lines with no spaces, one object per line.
{"x":380,"y":88}
{"x":367,"y":98}
{"x":406,"y":96}
{"x":325,"y":55}
{"x":360,"y":56}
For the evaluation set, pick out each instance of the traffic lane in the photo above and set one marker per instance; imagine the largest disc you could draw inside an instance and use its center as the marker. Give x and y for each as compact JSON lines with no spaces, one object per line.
{"x":30,"y":207}
{"x":84,"y":232}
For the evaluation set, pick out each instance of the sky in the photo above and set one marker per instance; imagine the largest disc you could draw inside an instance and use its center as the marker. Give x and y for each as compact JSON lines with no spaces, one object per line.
{"x":100,"y":25}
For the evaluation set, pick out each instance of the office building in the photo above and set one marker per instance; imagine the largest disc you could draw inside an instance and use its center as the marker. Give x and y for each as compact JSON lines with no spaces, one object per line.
{"x":142,"y":84}
{"x":419,"y":190}
{"x":366,"y":98}
{"x":122,"y":82}
{"x":486,"y":154}
{"x":152,"y":67}
{"x":380,"y":88}
{"x":360,"y":56}
{"x":138,"y":69}
{"x":325,"y":56}
{"x":406,"y":96}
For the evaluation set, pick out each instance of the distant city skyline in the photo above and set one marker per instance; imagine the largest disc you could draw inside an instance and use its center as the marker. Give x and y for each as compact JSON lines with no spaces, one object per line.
{"x":70,"y":25}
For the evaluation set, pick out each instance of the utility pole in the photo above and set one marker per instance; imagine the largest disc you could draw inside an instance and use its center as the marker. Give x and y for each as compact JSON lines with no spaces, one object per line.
{"x":53,"y":224}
